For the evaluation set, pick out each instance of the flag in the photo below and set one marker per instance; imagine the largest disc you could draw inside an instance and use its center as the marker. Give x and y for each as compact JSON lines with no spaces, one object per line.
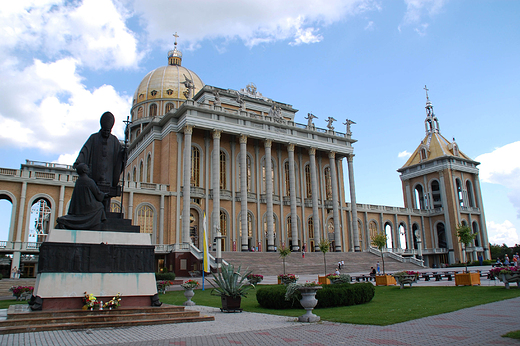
{"x":205,"y":250}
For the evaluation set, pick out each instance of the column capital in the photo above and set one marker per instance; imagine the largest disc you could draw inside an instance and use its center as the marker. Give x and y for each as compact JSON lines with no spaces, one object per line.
{"x":312,"y":151}
{"x":332,"y":155}
{"x":268,"y":143}
{"x":243,"y":139}
{"x":188,"y":130}
{"x":217,"y":133}
{"x":290,"y":147}
{"x":350,"y":157}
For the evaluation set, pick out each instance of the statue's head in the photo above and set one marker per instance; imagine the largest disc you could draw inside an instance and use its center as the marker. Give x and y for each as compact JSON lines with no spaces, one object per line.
{"x":107,"y":122}
{"x":82,"y":168}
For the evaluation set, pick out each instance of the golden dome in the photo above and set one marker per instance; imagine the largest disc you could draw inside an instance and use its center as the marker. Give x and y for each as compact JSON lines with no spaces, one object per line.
{"x":166,"y":82}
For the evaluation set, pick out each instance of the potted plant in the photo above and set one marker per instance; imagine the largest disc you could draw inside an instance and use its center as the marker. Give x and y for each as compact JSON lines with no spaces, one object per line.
{"x":466,"y":237}
{"x":255,"y":279}
{"x":231,"y":286}
{"x":163,"y":285}
{"x":406,"y":277}
{"x":284,"y":252}
{"x":324,"y":246}
{"x":338,"y":279}
{"x":506,"y":274}
{"x":189,"y":286}
{"x":308,"y":301}
{"x":287,"y":279}
{"x":379,"y":241}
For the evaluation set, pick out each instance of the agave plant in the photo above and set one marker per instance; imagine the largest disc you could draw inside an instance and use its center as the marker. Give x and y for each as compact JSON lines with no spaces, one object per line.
{"x":230,"y":283}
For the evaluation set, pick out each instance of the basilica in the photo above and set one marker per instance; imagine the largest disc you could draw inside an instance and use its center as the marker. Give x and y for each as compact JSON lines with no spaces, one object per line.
{"x":235,"y":163}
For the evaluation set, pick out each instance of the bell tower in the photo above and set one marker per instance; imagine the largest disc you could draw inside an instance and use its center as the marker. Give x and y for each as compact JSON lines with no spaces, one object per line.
{"x":443,"y":184}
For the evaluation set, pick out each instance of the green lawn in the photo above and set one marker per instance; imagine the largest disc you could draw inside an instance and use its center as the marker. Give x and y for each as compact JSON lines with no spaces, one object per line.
{"x":390,"y":304}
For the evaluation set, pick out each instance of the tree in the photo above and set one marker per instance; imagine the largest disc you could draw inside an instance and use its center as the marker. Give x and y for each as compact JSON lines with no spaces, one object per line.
{"x":324,"y":246}
{"x":466,"y":237}
{"x":284,"y":252}
{"x":379,"y":241}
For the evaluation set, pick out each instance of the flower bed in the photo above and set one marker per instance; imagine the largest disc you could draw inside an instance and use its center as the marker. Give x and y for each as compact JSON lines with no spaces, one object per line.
{"x":21,"y":291}
{"x":255,"y":279}
{"x":287,"y":278}
{"x":163,"y":285}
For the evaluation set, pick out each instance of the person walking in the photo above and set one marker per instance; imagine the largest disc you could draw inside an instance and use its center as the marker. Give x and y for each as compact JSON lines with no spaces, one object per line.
{"x":13,"y":272}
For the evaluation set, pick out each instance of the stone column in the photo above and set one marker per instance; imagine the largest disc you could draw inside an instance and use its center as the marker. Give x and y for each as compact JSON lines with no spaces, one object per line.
{"x":186,"y":198}
{"x":243,"y":191}
{"x":161,"y":220}
{"x":215,"y":181}
{"x":353,"y":204}
{"x":292,"y":193}
{"x":130,"y":205}
{"x":335,"y":201}
{"x":62,"y":197}
{"x":315,"y":192}
{"x":269,"y":194}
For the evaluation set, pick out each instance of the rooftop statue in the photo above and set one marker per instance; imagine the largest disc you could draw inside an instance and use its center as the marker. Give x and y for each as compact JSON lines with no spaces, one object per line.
{"x":86,"y":210}
{"x":103,"y":154}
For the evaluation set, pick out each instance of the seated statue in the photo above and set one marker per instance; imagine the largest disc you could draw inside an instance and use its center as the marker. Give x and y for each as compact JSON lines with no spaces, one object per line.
{"x":86,"y":210}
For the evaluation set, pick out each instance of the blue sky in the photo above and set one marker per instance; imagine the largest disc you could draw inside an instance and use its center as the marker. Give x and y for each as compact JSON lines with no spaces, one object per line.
{"x":63,"y":63}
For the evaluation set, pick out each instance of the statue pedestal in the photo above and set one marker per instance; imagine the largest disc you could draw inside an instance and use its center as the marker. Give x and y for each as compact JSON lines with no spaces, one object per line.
{"x":103,"y":263}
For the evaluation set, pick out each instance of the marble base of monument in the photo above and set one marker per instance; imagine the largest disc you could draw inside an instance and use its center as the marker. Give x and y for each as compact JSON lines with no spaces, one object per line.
{"x":73,"y":262}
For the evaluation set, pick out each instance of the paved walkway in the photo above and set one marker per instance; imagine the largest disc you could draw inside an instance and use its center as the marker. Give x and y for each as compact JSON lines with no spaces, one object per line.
{"x":479,"y":325}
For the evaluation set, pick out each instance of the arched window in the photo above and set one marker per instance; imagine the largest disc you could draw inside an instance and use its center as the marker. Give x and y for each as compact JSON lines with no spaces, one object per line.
{"x":223,"y":170}
{"x":195,"y":166}
{"x":424,"y":154}
{"x":419,"y":197}
{"x":441,"y":236}
{"x":149,"y":168}
{"x":436,"y":194}
{"x":169,"y":107}
{"x":115,"y":207}
{"x":471,"y":198}
{"x":139,"y":112}
{"x":223,"y":223}
{"x":310,"y":227}
{"x":287,"y":179}
{"x":135,"y":174}
{"x":475,"y":231}
{"x":128,"y":176}
{"x":153,"y":110}
{"x":145,"y":218}
{"x":40,"y":221}
{"x":328,"y":184}
{"x":415,"y":232}
{"x":249,"y":224}
{"x":460,"y":194}
{"x":141,"y":171}
{"x":360,"y":233}
{"x":308,"y":187}
{"x":389,"y":234}
{"x":402,"y":236}
{"x":372,"y":229}
{"x":274,"y":225}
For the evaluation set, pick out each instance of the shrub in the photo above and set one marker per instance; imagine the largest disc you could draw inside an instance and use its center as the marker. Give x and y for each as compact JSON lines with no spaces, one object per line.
{"x":164,"y":276}
{"x":273,"y":297}
{"x":342,"y":279}
{"x":1,"y":276}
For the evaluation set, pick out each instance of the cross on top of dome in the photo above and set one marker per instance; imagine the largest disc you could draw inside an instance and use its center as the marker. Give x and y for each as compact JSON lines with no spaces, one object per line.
{"x":175,"y":55}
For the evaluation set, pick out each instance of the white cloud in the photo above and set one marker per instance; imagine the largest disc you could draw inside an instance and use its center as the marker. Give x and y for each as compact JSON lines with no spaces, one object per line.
{"x":56,"y":112}
{"x":404,"y":154}
{"x":253,"y":22}
{"x":504,"y":233}
{"x":417,"y":10}
{"x":370,"y":26}
{"x":67,"y":159}
{"x":501,"y":166}
{"x":92,"y":32}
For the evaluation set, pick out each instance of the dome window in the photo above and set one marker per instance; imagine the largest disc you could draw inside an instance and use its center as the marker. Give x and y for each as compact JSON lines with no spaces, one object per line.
{"x":141,"y":96}
{"x":153,"y":92}
{"x":153,"y":110}
{"x":169,"y":92}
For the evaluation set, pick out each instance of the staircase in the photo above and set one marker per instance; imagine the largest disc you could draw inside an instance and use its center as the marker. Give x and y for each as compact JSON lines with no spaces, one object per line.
{"x":20,"y":319}
{"x":270,"y":263}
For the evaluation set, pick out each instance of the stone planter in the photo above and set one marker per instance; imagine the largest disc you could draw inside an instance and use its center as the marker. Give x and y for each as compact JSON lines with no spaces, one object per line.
{"x":230,"y":304}
{"x":385,"y":280}
{"x":467,"y":279}
{"x":322,"y":280}
{"x":405,"y":279}
{"x":308,"y":302}
{"x":509,"y":278}
{"x":189,"y":294}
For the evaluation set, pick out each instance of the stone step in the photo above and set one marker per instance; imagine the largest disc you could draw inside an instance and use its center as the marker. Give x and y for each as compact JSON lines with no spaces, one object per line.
{"x":21,"y":320}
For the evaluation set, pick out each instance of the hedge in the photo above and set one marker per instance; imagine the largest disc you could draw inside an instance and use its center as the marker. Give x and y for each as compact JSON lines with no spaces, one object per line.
{"x":273,"y":297}
{"x":164,"y":276}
